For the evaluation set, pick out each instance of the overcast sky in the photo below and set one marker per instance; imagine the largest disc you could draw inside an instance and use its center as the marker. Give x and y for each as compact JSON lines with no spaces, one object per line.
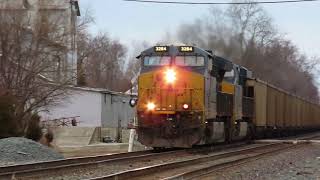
{"x":127,"y":21}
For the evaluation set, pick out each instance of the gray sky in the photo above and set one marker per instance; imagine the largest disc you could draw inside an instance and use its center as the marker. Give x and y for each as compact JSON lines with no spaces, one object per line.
{"x":128,"y":21}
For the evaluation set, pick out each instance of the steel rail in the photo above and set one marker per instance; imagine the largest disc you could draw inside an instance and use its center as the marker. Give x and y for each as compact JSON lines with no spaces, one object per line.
{"x":45,"y":166}
{"x":145,"y":171}
{"x":49,"y":167}
{"x":197,"y":173}
{"x":22,"y":167}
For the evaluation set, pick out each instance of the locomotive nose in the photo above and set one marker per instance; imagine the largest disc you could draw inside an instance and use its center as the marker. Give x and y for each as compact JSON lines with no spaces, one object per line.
{"x":170,"y":89}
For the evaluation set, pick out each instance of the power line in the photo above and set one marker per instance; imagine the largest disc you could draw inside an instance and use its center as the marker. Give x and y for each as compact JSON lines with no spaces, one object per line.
{"x":220,"y":3}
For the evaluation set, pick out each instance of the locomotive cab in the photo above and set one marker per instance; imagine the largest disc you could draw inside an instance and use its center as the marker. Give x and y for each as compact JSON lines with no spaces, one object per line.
{"x":171,"y":86}
{"x":187,"y":96}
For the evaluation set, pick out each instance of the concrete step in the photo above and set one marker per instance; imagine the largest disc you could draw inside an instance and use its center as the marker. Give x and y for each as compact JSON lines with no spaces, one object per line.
{"x":97,"y":149}
{"x":73,"y":136}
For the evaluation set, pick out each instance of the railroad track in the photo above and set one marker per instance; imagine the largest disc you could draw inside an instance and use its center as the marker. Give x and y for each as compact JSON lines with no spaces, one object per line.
{"x":82,"y":165}
{"x":52,"y":168}
{"x":196,"y":167}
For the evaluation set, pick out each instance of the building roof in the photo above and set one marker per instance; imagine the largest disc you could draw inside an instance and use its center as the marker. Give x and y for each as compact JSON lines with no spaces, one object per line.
{"x":100,"y":90}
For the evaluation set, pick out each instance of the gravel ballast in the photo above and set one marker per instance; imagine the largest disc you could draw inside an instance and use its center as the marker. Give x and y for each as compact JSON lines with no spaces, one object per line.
{"x":17,"y":150}
{"x":299,"y":163}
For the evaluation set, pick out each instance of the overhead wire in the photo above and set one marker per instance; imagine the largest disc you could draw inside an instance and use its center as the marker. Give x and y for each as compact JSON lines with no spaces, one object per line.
{"x":220,"y":3}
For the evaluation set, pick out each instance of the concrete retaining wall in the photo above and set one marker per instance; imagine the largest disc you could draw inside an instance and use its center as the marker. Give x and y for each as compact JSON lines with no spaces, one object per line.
{"x":73,"y":136}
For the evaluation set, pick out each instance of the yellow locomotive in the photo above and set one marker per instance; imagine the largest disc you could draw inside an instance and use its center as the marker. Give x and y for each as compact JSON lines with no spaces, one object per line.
{"x":189,"y":96}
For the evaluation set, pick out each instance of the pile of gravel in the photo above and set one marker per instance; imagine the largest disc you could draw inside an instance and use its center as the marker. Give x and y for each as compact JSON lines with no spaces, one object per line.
{"x":17,"y":150}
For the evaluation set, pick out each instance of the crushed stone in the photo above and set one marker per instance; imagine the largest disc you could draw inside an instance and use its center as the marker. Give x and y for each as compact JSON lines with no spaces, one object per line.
{"x":18,"y":150}
{"x":301,"y":163}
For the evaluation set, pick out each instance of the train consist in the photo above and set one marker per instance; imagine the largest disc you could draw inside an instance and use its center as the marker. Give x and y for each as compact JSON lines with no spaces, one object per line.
{"x":189,"y":96}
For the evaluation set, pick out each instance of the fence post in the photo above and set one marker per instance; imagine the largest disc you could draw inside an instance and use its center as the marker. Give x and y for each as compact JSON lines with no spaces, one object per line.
{"x":132,"y":135}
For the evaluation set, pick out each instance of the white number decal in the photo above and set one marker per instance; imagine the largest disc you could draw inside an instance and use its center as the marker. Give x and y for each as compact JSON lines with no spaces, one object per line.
{"x":161,"y":48}
{"x":186,"y":49}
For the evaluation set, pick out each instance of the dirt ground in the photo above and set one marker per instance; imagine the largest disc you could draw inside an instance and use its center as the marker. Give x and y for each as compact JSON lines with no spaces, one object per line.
{"x":95,"y":149}
{"x":302,"y":162}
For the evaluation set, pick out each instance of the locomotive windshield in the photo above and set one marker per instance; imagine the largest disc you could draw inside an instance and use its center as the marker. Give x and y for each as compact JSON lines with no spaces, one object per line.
{"x":179,"y":60}
{"x":156,"y":60}
{"x":229,"y":76}
{"x":189,"y":61}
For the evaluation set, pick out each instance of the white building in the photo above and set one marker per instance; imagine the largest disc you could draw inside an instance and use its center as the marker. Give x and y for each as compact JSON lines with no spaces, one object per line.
{"x":94,"y":107}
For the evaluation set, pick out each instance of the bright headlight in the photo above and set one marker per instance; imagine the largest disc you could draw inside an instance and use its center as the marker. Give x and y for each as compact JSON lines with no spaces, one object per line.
{"x":151,"y":106}
{"x":185,"y":106}
{"x":170,"y":75}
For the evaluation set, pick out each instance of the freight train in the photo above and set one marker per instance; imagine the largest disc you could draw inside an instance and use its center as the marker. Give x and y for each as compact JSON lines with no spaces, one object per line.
{"x":188,"y":96}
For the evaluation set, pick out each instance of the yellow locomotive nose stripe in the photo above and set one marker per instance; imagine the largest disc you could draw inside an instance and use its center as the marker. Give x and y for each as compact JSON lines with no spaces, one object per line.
{"x":227,"y":87}
{"x":164,"y":112}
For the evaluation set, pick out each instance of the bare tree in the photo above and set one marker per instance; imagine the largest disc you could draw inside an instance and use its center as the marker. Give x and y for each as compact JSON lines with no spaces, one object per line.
{"x":83,"y":44}
{"x":251,"y":26}
{"x":31,"y":55}
{"x":246,"y":35}
{"x":134,"y":65}
{"x":101,"y":60}
{"x":104,"y":62}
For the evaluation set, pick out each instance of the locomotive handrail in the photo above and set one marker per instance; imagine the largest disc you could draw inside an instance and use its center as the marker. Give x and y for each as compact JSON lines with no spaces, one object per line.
{"x":174,"y":88}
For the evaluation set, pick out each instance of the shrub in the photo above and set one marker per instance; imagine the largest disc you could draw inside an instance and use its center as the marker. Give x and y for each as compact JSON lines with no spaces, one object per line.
{"x":49,"y":136}
{"x":34,"y":130}
{"x":9,"y":125}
